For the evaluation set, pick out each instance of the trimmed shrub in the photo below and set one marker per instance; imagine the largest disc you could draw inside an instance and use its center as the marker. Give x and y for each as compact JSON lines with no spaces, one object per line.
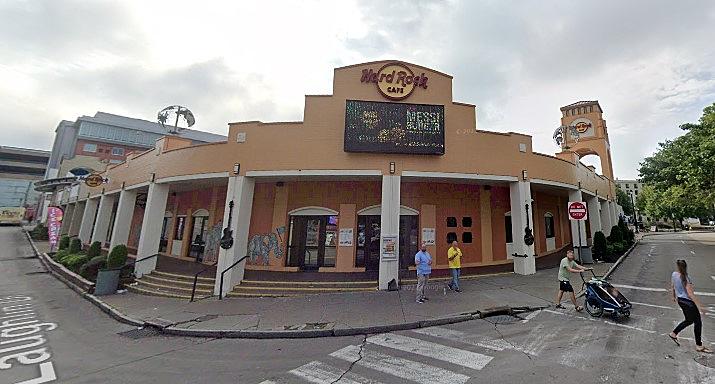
{"x":75,"y":246}
{"x":94,"y":250}
{"x":90,"y":269}
{"x":64,"y":242}
{"x":622,"y":225}
{"x":630,"y":236}
{"x":73,"y":262}
{"x":117,"y":257}
{"x":599,"y":245}
{"x":59,"y":255}
{"x":616,"y":235}
{"x":39,"y":233}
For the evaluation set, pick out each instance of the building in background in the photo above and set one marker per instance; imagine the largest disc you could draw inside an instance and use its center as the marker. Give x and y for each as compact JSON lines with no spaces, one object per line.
{"x":632,"y":188}
{"x":19,"y":169}
{"x":92,"y":142}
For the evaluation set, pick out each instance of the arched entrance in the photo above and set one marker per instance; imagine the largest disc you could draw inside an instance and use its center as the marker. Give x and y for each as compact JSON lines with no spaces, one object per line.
{"x":368,"y":237}
{"x":199,"y":226}
{"x":312,"y":238}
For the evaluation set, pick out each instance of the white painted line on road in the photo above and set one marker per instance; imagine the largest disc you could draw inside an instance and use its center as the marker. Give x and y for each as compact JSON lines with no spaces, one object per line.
{"x":463,"y":337}
{"x":399,"y":367}
{"x":457,"y":356}
{"x":628,"y":326}
{"x":319,"y":373}
{"x":658,"y":289}
{"x":652,"y":305}
{"x":267,"y":382}
{"x":682,"y":241}
{"x":530,"y":316}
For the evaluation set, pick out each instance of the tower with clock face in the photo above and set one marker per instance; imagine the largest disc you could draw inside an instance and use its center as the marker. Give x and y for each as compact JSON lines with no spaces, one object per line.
{"x":586,"y":118}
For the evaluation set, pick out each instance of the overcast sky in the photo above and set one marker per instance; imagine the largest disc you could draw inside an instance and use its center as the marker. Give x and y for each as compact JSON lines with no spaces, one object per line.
{"x":651,"y":64}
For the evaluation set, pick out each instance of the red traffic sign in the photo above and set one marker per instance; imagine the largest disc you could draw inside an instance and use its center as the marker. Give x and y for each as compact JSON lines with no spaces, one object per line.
{"x":577,"y":210}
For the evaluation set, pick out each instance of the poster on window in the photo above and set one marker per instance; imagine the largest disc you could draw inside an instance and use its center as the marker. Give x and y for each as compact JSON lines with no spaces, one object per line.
{"x":346,"y":237}
{"x":389,"y":247}
{"x":428,"y":236}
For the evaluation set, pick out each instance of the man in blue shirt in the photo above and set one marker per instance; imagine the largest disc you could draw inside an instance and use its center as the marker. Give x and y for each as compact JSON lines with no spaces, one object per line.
{"x":423,"y":261}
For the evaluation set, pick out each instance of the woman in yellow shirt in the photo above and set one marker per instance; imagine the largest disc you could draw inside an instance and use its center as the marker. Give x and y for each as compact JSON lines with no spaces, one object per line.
{"x":454,"y":254}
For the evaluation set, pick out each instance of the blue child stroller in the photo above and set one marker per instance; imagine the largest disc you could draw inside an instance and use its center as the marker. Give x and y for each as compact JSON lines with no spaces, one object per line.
{"x":602,"y":297}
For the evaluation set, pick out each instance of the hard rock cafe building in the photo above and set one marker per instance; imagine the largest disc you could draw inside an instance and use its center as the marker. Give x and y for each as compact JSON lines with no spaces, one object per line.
{"x":385,"y":162}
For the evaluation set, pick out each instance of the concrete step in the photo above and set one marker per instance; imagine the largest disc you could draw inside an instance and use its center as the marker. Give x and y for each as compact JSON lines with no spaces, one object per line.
{"x":328,"y":285}
{"x":175,"y":276}
{"x":178,"y":289}
{"x":160,"y":279}
{"x":281,"y":291}
{"x":155,"y":292}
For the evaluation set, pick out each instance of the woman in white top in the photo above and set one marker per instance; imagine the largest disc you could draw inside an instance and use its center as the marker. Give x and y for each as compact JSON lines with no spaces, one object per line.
{"x":682,"y":288}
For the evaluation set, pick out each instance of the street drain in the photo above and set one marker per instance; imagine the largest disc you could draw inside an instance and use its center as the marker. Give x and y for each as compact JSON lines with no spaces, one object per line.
{"x":140,"y":333}
{"x":705,"y":360}
{"x":502,"y":319}
{"x":36,"y":273}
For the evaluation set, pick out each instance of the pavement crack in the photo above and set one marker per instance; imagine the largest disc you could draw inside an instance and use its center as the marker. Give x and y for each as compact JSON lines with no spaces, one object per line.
{"x":515,"y":347}
{"x":360,"y":356}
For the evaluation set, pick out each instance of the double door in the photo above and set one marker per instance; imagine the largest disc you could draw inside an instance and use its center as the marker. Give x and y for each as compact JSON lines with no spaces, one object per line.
{"x":312,"y":242}
{"x":369,"y":241}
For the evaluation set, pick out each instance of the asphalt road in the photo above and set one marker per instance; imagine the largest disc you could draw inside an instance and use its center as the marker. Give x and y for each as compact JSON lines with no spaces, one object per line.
{"x":551,"y":346}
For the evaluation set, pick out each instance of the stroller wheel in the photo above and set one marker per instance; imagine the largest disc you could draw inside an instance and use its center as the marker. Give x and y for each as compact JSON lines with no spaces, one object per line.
{"x":594,"y":307}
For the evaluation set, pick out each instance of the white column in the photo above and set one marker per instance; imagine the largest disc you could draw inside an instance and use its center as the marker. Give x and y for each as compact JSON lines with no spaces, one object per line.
{"x":85,"y":228}
{"x":520,"y":196}
{"x":151,"y":228}
{"x":390,"y":226}
{"x":612,"y":211}
{"x":594,"y":215}
{"x":67,"y":219}
{"x":77,"y":216}
{"x":123,"y":218}
{"x":606,"y":218}
{"x":576,"y":225}
{"x":104,"y":215}
{"x":240,"y":191}
{"x":45,"y":205}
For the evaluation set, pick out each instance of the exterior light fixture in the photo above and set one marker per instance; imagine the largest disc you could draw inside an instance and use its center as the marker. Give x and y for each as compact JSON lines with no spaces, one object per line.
{"x":236,"y":168}
{"x":392,"y":167}
{"x":153,"y":177}
{"x":524,"y":175}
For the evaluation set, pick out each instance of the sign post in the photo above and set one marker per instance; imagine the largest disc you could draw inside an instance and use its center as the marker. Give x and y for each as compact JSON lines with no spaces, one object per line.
{"x":578,"y":212}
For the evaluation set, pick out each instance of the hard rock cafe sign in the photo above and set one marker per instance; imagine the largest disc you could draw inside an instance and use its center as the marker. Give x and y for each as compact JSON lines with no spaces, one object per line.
{"x":582,"y":126}
{"x":394,"y":80}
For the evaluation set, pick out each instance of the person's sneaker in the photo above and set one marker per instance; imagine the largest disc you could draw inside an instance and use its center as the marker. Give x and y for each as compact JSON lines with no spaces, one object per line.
{"x":559,"y":306}
{"x":419,"y":301}
{"x":425,"y":298}
{"x":450,"y":287}
{"x":458,"y":290}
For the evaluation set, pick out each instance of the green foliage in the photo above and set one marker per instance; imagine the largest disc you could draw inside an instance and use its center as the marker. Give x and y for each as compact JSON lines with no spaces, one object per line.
{"x":599,"y":245}
{"x":117,"y":257}
{"x":616,"y":235}
{"x":624,"y":201}
{"x":682,"y":172}
{"x":74,"y":261}
{"x":39,"y":233}
{"x":64,"y":242}
{"x":59,"y":255}
{"x":75,"y":246}
{"x":94,"y":250}
{"x":90,"y":269}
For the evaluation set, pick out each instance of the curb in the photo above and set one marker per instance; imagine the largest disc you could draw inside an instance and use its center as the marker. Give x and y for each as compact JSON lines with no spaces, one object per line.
{"x":615,"y":265}
{"x":264,"y":334}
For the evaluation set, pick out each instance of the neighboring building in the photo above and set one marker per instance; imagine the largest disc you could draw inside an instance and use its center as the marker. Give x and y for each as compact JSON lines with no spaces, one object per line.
{"x":19,"y":169}
{"x":632,"y":188}
{"x":385,"y":162}
{"x":92,"y":142}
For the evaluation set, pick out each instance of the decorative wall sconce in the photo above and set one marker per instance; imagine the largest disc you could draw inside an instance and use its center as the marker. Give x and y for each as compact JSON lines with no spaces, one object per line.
{"x":524,"y":175}
{"x":236,"y":168}
{"x":392,"y":167}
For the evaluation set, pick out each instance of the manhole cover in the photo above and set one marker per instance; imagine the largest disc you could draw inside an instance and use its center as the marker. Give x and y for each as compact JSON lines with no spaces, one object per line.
{"x":707,"y":361}
{"x":140,"y":333}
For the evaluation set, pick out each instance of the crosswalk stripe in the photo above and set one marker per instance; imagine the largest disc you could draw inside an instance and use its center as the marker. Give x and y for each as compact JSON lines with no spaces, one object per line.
{"x":320,"y":373}
{"x":399,"y":367}
{"x":457,"y":356}
{"x":463,"y":337}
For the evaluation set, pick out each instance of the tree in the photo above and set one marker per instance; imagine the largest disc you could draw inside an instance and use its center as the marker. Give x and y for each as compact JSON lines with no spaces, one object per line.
{"x":682,"y":172}
{"x":624,"y":201}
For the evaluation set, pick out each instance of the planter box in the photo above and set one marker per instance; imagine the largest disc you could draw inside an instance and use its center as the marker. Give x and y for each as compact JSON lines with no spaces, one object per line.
{"x":84,"y":284}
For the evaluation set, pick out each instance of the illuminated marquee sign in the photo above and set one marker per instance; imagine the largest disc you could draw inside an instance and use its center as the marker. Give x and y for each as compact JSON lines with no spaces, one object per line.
{"x":395,"y":81}
{"x":394,"y":128}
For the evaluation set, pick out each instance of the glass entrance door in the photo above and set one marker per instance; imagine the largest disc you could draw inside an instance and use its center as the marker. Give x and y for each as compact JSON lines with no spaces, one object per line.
{"x":408,"y":240}
{"x":198,"y":236}
{"x":368,"y":249}
{"x":312,"y":242}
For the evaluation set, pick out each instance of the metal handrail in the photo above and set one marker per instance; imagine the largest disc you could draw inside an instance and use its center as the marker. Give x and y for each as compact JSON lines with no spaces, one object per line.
{"x":146,"y":258}
{"x":220,"y":288}
{"x":196,"y":278}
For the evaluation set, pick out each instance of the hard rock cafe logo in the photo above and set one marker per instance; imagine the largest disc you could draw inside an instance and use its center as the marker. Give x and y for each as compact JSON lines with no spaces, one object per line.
{"x":582,"y":126}
{"x":94,"y":180}
{"x":394,"y":80}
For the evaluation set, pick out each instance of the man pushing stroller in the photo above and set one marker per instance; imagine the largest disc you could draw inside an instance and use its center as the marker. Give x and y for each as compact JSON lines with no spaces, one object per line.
{"x":568,"y":264}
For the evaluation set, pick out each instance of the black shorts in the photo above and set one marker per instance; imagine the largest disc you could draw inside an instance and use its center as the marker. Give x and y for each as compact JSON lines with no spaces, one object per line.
{"x":565,"y":286}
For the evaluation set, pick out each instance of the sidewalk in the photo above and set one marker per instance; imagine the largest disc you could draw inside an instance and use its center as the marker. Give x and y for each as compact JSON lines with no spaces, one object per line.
{"x":336,"y":314}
